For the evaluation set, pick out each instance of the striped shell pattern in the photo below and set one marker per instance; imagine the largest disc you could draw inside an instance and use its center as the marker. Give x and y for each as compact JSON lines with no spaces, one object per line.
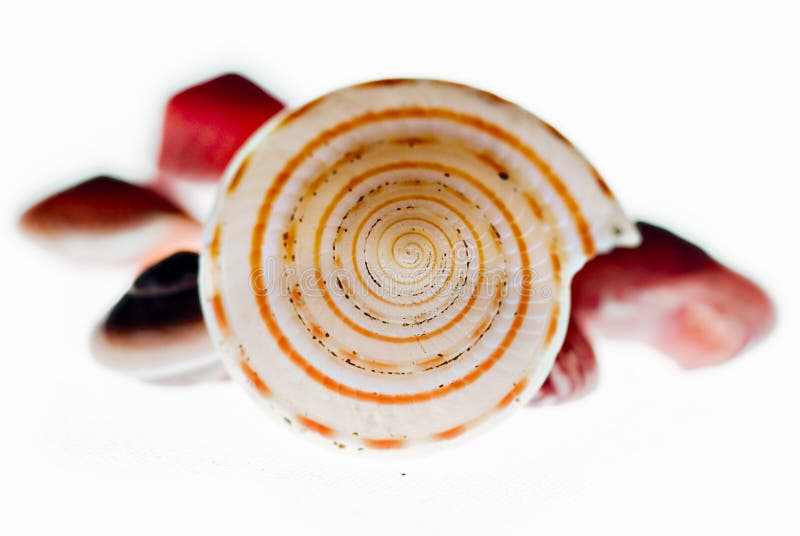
{"x":388,"y":266}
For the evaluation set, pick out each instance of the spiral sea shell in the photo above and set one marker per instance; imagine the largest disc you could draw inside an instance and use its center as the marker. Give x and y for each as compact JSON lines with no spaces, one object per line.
{"x":389,"y":265}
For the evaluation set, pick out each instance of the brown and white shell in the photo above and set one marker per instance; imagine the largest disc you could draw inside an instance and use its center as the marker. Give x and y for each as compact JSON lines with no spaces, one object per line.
{"x":389,"y":265}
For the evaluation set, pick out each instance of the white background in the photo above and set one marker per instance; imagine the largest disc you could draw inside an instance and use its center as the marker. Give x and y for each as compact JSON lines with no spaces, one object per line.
{"x":691,"y":113}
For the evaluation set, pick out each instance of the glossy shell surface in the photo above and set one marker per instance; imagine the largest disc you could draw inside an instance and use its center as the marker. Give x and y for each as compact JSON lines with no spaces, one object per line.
{"x":388,"y":266}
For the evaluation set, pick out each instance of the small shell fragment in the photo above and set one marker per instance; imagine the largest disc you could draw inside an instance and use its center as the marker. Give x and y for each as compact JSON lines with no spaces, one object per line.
{"x":111,"y":220}
{"x":156,"y":331}
{"x":388,"y":266}
{"x":574,"y":372}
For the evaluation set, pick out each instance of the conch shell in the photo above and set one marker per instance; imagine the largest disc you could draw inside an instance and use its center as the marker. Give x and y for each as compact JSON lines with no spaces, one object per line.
{"x":389,"y":265}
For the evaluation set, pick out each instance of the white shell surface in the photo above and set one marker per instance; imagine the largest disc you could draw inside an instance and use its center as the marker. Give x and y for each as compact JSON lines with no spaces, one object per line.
{"x":389,"y":265}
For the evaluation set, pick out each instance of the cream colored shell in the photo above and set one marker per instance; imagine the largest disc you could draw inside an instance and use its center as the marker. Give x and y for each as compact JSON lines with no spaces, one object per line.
{"x":389,"y":265}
